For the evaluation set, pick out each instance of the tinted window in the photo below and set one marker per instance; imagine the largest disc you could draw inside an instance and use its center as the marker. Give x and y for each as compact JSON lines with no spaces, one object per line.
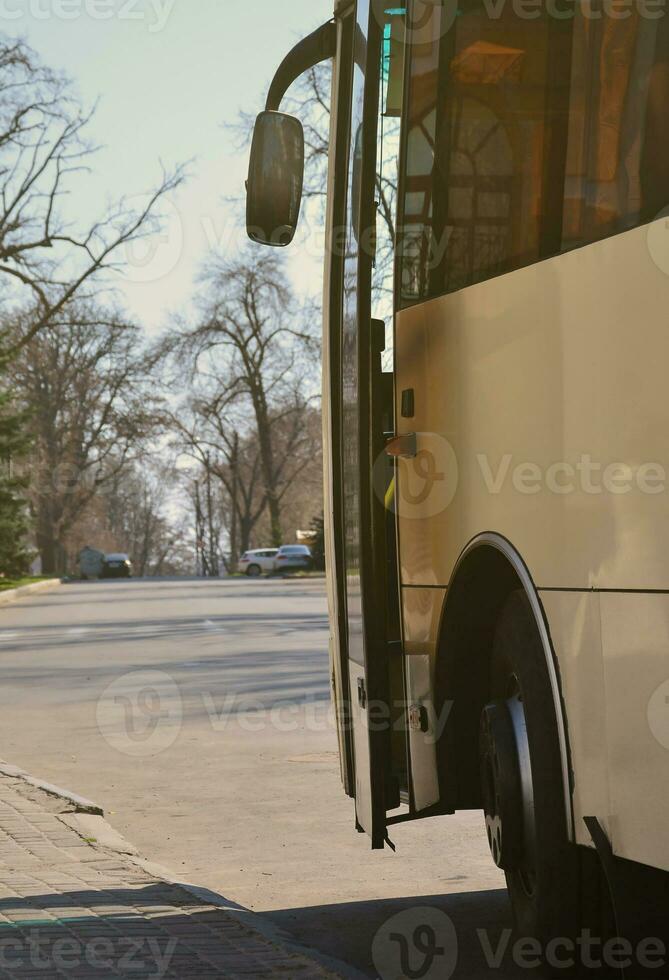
{"x":527,"y":137}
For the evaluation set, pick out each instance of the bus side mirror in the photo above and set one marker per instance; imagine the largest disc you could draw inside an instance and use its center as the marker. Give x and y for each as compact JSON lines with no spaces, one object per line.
{"x":276,"y":177}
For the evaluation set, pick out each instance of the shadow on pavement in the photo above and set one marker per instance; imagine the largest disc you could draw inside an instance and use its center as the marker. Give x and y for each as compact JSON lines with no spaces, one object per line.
{"x":368,"y":933}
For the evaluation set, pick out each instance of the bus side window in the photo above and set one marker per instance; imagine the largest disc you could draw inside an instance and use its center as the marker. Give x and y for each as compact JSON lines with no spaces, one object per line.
{"x":617,"y":170}
{"x":527,"y":138}
{"x":479,"y":98}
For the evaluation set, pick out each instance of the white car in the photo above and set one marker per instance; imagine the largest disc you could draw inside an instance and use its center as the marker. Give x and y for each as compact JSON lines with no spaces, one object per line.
{"x":254,"y":563}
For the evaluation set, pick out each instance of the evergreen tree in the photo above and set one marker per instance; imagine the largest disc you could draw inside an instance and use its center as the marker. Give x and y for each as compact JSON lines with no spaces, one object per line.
{"x":14,"y":555}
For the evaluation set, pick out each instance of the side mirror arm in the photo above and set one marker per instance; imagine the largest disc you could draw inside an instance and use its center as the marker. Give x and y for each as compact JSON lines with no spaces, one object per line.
{"x":317,"y":47}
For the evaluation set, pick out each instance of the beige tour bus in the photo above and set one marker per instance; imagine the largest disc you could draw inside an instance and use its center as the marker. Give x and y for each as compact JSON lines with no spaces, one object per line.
{"x":496,"y":406}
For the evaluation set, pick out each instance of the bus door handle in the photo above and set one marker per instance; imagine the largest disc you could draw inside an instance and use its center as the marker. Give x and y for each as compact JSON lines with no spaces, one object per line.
{"x":402,"y":447}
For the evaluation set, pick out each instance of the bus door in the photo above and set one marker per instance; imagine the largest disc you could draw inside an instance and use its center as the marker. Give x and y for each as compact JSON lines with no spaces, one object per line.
{"x":368,"y":577}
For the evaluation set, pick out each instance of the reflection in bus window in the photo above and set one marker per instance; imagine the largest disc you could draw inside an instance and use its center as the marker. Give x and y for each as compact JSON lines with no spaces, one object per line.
{"x":526,"y":138}
{"x":388,"y":150}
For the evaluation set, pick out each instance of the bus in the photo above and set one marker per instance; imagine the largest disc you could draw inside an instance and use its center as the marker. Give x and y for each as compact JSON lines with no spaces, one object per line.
{"x":496,"y":419}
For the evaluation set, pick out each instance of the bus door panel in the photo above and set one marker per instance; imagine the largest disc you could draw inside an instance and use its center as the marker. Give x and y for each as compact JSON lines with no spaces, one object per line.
{"x":336,"y":219}
{"x":426,"y":720}
{"x":363,"y":515}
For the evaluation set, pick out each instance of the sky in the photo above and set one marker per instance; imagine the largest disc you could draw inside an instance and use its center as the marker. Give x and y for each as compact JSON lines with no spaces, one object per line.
{"x":167,"y":76}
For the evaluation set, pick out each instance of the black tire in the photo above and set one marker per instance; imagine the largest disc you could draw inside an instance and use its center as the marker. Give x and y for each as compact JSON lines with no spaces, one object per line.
{"x":254,"y":571}
{"x":561,"y":889}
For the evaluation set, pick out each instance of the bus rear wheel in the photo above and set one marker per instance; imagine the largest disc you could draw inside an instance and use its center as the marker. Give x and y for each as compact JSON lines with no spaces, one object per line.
{"x":557,"y":890}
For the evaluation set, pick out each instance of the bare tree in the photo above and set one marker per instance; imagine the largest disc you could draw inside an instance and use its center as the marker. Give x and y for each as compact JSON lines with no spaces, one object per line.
{"x":43,"y":145}
{"x":208,"y":432}
{"x":208,"y":523}
{"x":134,"y":517}
{"x":253,"y":354}
{"x":82,"y":379}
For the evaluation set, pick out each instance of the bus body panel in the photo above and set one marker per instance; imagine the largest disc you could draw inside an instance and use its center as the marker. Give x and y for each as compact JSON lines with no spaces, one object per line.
{"x":635,"y":639}
{"x":612,"y":648}
{"x":550,"y":394}
{"x":549,"y":391}
{"x":574,"y":620}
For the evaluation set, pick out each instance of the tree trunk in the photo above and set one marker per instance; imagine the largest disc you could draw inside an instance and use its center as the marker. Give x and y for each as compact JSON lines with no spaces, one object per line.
{"x":245,"y":528}
{"x":267,"y":464}
{"x":47,"y":550}
{"x":52,"y":553}
{"x":234,"y":465}
{"x":213,"y":550}
{"x":49,"y":545}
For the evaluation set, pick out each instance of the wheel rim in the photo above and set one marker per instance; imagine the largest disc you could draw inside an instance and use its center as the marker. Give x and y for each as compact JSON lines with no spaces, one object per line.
{"x":527,"y":867}
{"x":508,"y":792}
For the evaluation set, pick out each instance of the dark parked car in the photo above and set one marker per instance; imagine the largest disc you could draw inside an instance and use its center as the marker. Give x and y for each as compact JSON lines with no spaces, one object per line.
{"x":117,"y":566}
{"x":294,"y":558}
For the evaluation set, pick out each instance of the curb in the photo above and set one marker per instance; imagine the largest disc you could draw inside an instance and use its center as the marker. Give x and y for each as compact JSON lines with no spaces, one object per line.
{"x":80,"y":803}
{"x":88,"y":821}
{"x":12,"y":594}
{"x":106,"y":837}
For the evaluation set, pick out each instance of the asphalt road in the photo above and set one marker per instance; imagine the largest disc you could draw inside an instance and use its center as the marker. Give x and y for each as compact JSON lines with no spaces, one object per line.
{"x":197,"y":714}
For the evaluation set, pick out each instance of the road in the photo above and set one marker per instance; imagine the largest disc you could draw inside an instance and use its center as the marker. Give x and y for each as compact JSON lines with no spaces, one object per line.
{"x":197,"y":714}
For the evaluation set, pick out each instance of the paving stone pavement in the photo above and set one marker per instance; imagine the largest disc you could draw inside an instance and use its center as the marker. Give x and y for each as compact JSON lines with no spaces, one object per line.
{"x":69,"y":908}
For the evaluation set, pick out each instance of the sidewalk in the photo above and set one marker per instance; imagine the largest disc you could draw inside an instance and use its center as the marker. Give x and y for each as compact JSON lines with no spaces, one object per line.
{"x":70,"y":907}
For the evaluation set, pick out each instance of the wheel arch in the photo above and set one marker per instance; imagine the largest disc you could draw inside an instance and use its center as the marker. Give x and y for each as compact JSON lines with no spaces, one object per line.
{"x":488,"y":570}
